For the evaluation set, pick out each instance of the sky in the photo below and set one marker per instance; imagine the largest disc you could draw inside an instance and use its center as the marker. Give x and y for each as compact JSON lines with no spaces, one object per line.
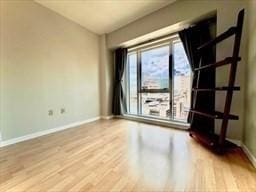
{"x":155,"y":64}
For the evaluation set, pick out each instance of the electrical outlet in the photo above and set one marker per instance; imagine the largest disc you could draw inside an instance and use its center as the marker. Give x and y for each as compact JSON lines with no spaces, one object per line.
{"x":50,"y":112}
{"x":62,"y":110}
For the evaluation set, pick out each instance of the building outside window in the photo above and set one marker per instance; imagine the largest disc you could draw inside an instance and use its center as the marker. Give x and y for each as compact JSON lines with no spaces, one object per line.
{"x":158,"y":81}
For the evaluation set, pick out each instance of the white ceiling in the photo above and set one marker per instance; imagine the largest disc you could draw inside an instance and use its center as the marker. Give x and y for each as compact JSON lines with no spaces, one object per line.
{"x":104,"y":16}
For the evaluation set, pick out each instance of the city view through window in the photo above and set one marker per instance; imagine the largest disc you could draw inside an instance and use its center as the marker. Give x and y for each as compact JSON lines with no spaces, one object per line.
{"x":162,"y":92}
{"x":182,"y":77}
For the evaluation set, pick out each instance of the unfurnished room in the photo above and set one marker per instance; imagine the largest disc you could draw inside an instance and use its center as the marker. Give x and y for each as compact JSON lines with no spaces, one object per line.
{"x":128,"y":95}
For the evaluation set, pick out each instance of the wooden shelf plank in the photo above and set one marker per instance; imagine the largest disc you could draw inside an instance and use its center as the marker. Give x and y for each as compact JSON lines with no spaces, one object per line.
{"x":231,"y":31}
{"x":236,"y":88}
{"x":227,"y":60}
{"x":211,"y":140}
{"x":214,"y":115}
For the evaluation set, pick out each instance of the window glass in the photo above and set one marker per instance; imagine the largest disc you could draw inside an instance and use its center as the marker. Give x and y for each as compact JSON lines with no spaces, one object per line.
{"x":151,"y":90}
{"x":155,"y":68}
{"x":132,"y":76}
{"x":156,"y":104}
{"x":181,"y":83}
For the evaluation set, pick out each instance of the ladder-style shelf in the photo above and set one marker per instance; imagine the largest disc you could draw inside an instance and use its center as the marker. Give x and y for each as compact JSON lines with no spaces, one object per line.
{"x":236,"y":88}
{"x":211,"y":140}
{"x":219,"y":142}
{"x":214,"y":114}
{"x":231,"y":31}
{"x":228,"y":60}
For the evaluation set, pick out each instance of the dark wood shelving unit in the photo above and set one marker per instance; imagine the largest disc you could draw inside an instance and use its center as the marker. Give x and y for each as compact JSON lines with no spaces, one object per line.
{"x":236,"y":88}
{"x":225,"y":61}
{"x":214,"y":114}
{"x":231,"y":31}
{"x":219,"y":142}
{"x":211,"y":141}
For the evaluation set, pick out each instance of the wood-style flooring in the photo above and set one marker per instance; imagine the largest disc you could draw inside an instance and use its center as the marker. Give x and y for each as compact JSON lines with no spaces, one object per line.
{"x":121,"y":155}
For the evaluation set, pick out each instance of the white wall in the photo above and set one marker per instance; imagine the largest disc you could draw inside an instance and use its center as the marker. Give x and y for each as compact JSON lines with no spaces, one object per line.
{"x":1,"y":70}
{"x":187,"y":10}
{"x":106,"y":77}
{"x":250,"y":98}
{"x":47,"y":62}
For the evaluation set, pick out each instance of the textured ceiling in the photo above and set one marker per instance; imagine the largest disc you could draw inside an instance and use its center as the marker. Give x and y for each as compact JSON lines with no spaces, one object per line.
{"x":104,"y":16}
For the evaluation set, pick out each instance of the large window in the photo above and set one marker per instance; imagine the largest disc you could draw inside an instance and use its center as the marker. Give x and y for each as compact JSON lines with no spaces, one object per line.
{"x":158,"y":81}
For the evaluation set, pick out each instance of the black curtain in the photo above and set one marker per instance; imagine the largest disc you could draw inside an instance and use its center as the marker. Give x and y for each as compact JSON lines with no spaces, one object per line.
{"x":119,"y":101}
{"x":192,"y":38}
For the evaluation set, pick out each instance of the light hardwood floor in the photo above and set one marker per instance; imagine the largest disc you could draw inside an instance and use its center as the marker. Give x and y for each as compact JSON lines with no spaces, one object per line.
{"x":121,"y":155}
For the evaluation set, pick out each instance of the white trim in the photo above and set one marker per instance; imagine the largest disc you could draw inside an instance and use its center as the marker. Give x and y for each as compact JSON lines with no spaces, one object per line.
{"x":235,"y":141}
{"x":173,"y":124}
{"x":45,"y":132}
{"x":247,"y":152}
{"x":249,"y":155}
{"x":73,"y":125}
{"x":166,"y":123}
{"x":107,"y":117}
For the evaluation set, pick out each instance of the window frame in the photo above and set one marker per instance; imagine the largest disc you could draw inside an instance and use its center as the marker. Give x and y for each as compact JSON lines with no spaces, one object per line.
{"x":138,"y":51}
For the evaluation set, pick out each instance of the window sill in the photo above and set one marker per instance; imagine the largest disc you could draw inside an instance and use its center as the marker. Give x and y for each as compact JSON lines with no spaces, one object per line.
{"x":162,"y":122}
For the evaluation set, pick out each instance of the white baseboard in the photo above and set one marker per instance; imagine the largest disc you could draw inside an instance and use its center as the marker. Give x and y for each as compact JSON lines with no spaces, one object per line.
{"x":235,"y":141}
{"x":107,"y":117}
{"x":247,"y":152}
{"x":249,"y":155}
{"x":75,"y":124}
{"x":166,"y":123}
{"x":45,"y":132}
